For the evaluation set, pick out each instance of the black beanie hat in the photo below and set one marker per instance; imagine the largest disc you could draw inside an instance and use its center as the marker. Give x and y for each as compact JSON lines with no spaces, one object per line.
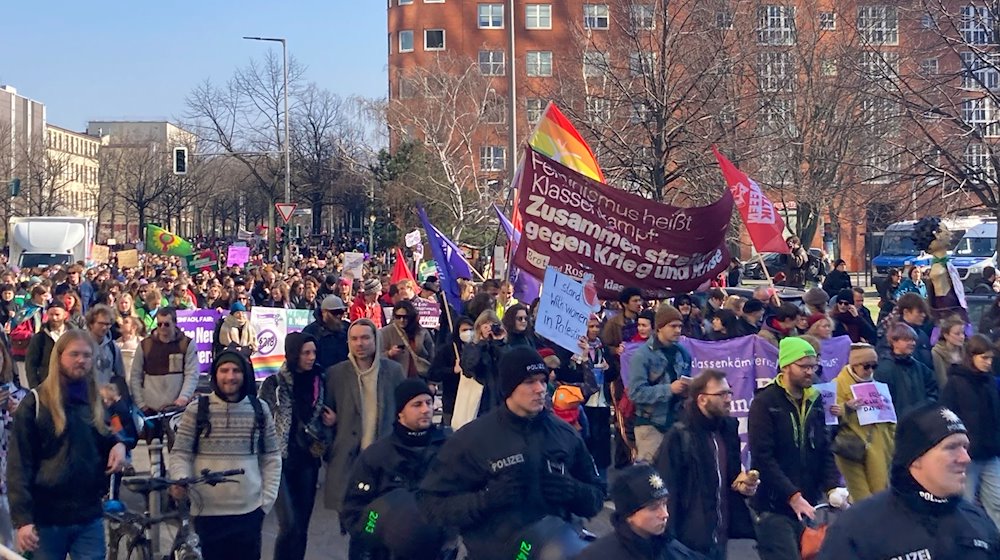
{"x":408,"y":390}
{"x":636,"y":486}
{"x":238,"y":358}
{"x":519,"y":363}
{"x":921,"y":429}
{"x":293,"y":347}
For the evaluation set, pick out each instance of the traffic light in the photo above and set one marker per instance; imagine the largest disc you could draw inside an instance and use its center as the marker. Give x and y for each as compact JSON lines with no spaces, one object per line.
{"x":15,"y":186}
{"x":180,"y":160}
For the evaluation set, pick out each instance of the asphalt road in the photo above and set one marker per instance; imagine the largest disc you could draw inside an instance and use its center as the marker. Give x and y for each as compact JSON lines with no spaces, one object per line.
{"x":326,"y":542}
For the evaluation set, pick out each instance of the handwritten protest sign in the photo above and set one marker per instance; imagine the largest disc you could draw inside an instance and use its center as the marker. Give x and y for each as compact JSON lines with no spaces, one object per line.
{"x":99,"y":253}
{"x":412,"y":239}
{"x":562,"y":311}
{"x":354,"y":264}
{"x":237,"y":255}
{"x":428,"y":313}
{"x":829,"y":393}
{"x":128,"y":259}
{"x":876,"y":403}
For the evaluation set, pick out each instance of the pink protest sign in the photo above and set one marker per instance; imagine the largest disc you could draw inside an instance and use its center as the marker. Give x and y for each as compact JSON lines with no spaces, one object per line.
{"x":876,"y":403}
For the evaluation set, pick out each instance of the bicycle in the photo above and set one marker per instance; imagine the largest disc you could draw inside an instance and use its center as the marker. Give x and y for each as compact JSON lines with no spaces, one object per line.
{"x":134,"y":529}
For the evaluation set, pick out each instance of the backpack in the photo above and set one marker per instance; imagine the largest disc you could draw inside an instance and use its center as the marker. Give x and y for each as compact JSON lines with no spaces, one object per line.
{"x":20,"y":336}
{"x":203,"y":424}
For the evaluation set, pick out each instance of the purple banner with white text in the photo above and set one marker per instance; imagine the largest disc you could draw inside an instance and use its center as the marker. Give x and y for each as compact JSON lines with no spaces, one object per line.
{"x":199,"y":325}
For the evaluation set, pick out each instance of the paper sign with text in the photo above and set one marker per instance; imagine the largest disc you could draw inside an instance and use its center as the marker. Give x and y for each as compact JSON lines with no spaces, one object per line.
{"x":128,"y":259}
{"x":428,"y":312}
{"x":876,"y":403}
{"x":99,"y":253}
{"x":237,"y":255}
{"x":829,"y":393}
{"x":354,"y":264}
{"x":562,"y":311}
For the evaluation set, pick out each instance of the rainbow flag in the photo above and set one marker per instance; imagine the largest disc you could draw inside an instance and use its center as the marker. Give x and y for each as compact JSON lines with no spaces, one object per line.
{"x":161,"y":242}
{"x":555,"y":137}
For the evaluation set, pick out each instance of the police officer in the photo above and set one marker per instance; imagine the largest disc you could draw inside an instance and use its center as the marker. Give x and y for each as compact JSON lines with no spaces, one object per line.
{"x":923,"y":513}
{"x":513,"y":468}
{"x":395,"y":465}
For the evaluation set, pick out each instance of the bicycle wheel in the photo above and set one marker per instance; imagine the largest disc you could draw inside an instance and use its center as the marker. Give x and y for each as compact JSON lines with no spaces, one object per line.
{"x":140,"y":550}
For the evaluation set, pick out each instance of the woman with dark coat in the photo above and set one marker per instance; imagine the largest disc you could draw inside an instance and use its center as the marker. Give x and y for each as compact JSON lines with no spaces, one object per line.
{"x":481,"y":358}
{"x":295,"y":397}
{"x":971,"y":393}
{"x":447,"y":367}
{"x":517,"y":323}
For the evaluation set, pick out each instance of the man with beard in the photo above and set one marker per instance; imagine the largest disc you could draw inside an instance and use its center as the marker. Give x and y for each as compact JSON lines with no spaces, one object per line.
{"x":922,"y":514}
{"x":700,"y":463}
{"x":330,"y":331}
{"x":790,"y":448}
{"x":385,"y":478}
{"x":36,"y":361}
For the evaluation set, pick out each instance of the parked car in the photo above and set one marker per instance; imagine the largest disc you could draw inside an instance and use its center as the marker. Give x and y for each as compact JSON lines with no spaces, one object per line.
{"x":774,"y":262}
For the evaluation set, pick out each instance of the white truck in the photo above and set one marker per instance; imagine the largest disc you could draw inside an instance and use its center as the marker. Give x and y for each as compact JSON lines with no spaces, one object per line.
{"x":39,"y":241}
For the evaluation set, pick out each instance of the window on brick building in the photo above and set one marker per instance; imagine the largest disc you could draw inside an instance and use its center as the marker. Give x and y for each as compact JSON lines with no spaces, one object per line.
{"x":533,"y":108}
{"x":494,"y":109}
{"x":929,"y":67}
{"x":490,"y":16}
{"x":777,"y":25}
{"x":538,"y":16}
{"x":538,"y":63}
{"x":642,"y":16}
{"x":595,"y":64}
{"x":977,"y":25}
{"x":640,"y":112}
{"x":775,"y":71}
{"x":977,"y":158}
{"x":596,"y":16}
{"x":879,"y":66}
{"x":982,"y":114}
{"x":642,"y":63}
{"x":405,"y":2}
{"x":492,"y":158}
{"x":491,"y":63}
{"x":879,"y":24}
{"x":406,"y":41}
{"x":928,"y":21}
{"x":433,"y":39}
{"x":979,"y":71}
{"x":828,"y":21}
{"x":724,"y":19}
{"x":598,"y":109}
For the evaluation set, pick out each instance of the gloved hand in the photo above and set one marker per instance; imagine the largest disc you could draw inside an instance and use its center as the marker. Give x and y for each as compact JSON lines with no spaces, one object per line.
{"x":503,"y":491}
{"x":560,"y":489}
{"x":838,"y":498}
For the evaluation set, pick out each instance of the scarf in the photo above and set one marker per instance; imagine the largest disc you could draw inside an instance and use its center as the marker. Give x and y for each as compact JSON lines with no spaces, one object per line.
{"x":76,"y":392}
{"x":368,"y":401}
{"x":930,"y":507}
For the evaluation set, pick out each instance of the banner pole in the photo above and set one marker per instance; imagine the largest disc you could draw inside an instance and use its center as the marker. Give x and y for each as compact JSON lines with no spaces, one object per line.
{"x":767,"y":275}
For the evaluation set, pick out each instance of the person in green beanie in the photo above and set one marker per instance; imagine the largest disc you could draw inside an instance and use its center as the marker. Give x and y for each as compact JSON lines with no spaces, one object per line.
{"x":790,"y":448}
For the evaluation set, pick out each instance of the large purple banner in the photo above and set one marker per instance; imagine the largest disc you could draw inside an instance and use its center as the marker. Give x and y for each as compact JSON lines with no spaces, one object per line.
{"x":750,"y":362}
{"x":199,"y":324}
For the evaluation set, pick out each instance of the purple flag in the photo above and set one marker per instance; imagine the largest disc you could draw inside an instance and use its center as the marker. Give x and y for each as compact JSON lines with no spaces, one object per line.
{"x":526,"y":286}
{"x":451,"y":265}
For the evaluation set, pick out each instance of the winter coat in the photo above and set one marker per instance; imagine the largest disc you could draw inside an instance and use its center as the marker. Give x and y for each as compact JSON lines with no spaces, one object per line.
{"x":343,"y":395}
{"x":796,"y":263}
{"x":36,"y":360}
{"x":863,"y":479}
{"x":331,"y":345}
{"x":836,"y":281}
{"x":243,"y":336}
{"x":277,"y":392}
{"x":910,"y":382}
{"x":789,"y":447}
{"x":974,"y":398}
{"x":652,"y":369}
{"x":481,"y":361}
{"x":422,"y":346}
{"x":625,"y":544}
{"x":689,"y":465}
{"x":943,"y":360}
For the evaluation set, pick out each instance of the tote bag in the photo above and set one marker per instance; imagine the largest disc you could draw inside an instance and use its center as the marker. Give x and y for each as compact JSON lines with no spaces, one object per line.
{"x":470,"y":392}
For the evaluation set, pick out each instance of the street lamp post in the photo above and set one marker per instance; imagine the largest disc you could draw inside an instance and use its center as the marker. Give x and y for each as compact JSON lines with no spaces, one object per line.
{"x":288,"y":160}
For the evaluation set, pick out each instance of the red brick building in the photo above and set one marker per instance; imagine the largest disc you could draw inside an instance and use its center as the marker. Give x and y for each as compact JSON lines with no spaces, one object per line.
{"x":759,"y":72}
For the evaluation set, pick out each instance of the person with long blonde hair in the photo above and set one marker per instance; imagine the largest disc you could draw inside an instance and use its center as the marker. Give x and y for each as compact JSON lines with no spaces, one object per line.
{"x":60,"y":455}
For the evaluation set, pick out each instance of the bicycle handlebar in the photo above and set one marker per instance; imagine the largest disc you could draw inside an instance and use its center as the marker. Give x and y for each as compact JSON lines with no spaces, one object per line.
{"x":147,"y":485}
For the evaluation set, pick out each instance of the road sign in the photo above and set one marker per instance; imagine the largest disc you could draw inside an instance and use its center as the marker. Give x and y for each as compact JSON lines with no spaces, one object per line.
{"x":285,"y":210}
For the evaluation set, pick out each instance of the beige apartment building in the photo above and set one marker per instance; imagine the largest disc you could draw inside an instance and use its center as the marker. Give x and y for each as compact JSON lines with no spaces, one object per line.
{"x":74,"y":160}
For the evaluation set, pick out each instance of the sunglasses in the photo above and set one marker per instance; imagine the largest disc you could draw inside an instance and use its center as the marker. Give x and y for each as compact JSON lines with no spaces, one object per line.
{"x":868,"y":366}
{"x":165,"y":325}
{"x":400,"y":317}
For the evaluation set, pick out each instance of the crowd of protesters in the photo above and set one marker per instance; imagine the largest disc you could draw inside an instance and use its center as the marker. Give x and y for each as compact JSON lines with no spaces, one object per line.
{"x":540,"y":429}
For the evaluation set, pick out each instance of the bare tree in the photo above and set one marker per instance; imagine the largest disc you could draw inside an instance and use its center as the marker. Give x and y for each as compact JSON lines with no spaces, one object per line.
{"x":454,"y":111}
{"x":45,"y":176}
{"x":244,"y":118}
{"x":134,"y":175}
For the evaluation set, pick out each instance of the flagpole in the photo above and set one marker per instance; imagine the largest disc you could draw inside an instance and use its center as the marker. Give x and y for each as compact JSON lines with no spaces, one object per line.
{"x":767,"y":275}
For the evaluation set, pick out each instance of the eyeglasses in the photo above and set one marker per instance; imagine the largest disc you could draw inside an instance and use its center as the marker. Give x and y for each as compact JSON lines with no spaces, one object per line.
{"x":806,"y":367}
{"x":103,"y":323}
{"x":843,"y":303}
{"x":868,"y":366}
{"x":719,"y":394}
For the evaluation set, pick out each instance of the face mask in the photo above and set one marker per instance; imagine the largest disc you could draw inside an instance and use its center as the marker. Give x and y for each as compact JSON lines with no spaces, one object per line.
{"x":466,"y":336}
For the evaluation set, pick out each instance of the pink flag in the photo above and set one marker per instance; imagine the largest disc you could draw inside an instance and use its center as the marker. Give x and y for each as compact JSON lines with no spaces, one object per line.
{"x":762,"y":220}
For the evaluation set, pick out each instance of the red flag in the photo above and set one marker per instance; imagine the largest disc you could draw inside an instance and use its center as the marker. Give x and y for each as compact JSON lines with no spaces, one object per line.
{"x":400,"y":271}
{"x":762,"y":220}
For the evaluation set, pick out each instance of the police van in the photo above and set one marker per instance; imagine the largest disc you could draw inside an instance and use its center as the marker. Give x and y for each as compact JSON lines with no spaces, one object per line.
{"x":899,"y":250}
{"x":975,"y":251}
